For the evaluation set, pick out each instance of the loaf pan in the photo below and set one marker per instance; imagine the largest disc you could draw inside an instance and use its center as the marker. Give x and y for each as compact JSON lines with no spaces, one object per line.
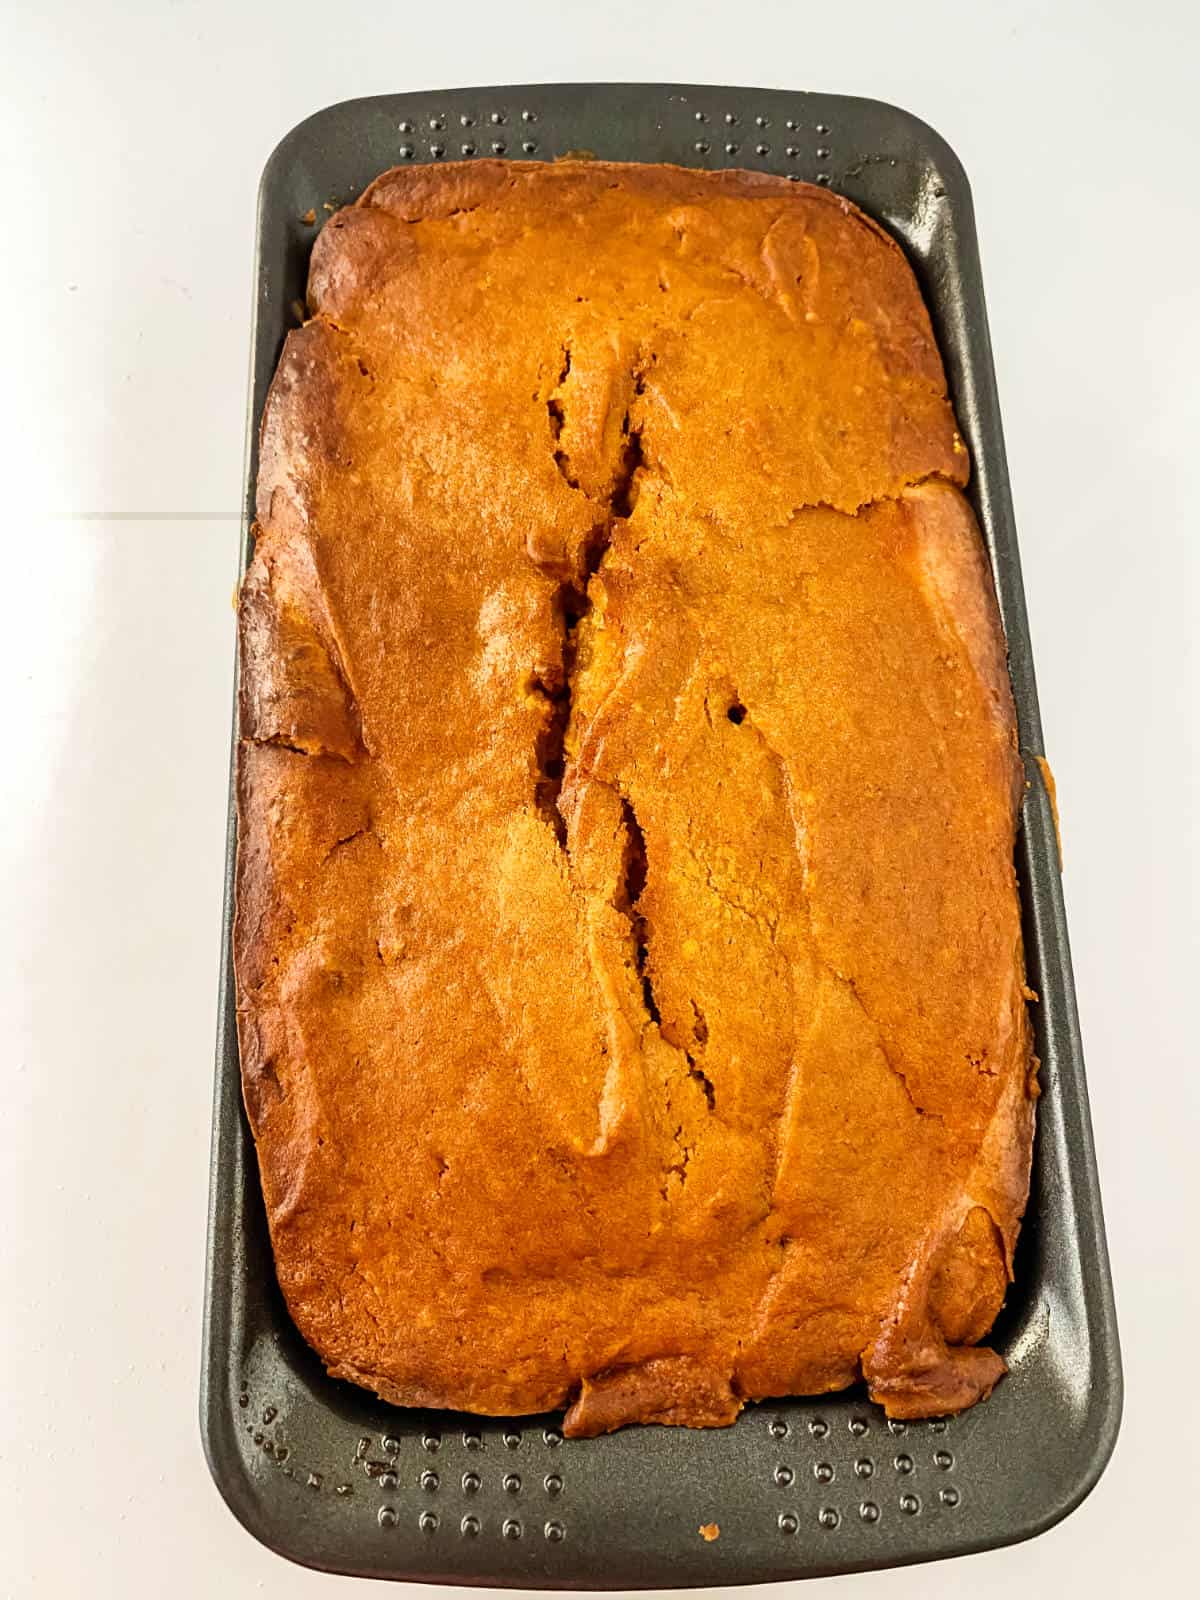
{"x":331,"y":1477}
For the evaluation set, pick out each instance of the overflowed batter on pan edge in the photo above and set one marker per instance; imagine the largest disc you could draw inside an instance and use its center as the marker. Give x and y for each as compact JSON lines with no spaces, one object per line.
{"x":630,"y":982}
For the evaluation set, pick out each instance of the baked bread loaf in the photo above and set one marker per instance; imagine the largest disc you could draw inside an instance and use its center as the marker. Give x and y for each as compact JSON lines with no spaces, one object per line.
{"x":630,"y":981}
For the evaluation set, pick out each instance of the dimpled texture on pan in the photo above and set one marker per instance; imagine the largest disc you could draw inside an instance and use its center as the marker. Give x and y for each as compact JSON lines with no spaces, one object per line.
{"x":630,"y":982}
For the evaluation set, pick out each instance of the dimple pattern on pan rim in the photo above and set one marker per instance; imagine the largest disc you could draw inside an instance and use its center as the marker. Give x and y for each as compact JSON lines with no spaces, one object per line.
{"x":817,"y":1475}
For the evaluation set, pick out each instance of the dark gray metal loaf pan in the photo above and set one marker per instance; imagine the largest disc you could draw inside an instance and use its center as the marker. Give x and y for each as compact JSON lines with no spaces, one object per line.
{"x":332,"y":1477}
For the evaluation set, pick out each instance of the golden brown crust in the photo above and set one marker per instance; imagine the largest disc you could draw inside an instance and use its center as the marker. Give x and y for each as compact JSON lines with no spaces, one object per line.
{"x":1052,"y":792}
{"x":665,"y":1389}
{"x":629,"y":965}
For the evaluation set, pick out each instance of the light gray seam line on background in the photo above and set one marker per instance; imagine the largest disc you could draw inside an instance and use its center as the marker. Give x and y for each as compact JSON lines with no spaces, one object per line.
{"x":145,"y":516}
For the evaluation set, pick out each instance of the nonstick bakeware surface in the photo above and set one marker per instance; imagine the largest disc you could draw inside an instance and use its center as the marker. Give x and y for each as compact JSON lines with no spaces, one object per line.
{"x":329,"y":1476}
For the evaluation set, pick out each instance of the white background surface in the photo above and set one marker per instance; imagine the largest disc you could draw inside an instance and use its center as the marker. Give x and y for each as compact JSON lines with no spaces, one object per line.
{"x":131,"y":140}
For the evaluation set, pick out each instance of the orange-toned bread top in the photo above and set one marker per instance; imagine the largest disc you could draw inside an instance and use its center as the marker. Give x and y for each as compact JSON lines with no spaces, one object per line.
{"x":629,"y":963}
